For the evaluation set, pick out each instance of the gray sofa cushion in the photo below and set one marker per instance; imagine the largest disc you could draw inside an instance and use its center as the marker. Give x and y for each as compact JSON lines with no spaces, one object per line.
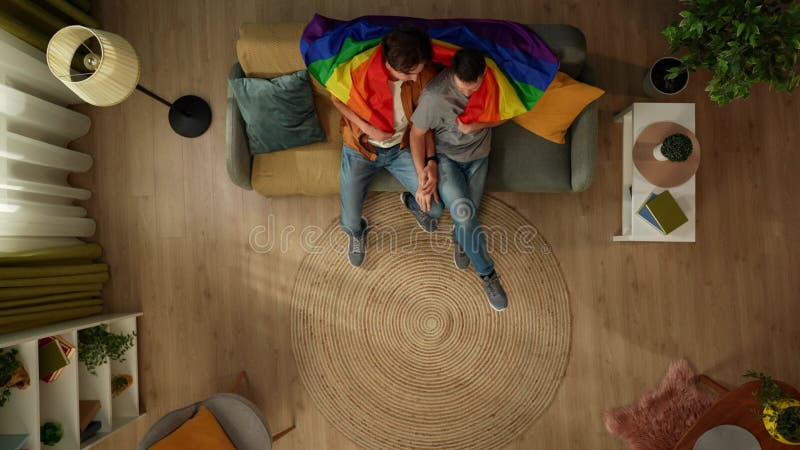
{"x":521,"y":161}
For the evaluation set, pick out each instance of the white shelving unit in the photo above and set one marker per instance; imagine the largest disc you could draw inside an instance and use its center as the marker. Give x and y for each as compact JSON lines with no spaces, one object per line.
{"x":58,"y":401}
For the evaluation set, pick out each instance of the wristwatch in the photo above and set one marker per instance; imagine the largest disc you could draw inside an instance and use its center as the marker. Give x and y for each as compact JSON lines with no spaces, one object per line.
{"x":431,"y":158}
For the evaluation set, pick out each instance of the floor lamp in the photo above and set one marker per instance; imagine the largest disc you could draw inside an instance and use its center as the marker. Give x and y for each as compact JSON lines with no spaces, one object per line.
{"x":102,"y":68}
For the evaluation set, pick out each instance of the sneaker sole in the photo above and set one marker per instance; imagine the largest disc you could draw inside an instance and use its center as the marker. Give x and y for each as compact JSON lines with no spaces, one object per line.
{"x":498,"y":310}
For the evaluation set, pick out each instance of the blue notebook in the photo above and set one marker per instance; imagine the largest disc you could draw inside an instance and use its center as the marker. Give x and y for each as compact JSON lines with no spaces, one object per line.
{"x":645,"y":213}
{"x":12,"y":441}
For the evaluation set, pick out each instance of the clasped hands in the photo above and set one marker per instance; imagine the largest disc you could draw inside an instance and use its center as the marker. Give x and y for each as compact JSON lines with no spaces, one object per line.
{"x":427,"y":190}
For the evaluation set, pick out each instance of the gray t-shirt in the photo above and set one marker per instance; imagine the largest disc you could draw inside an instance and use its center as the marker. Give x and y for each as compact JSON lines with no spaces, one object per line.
{"x":438,"y":107}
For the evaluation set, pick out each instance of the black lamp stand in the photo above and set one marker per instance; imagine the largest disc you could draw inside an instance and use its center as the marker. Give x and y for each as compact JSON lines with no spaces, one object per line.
{"x":189,"y":116}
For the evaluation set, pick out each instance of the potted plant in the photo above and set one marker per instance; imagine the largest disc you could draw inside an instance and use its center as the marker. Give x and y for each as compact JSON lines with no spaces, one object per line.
{"x":51,"y":433}
{"x":97,"y":345}
{"x":120,"y":383}
{"x":659,"y":79}
{"x":676,"y":147}
{"x":742,"y":43}
{"x":12,"y":374}
{"x":780,"y":413}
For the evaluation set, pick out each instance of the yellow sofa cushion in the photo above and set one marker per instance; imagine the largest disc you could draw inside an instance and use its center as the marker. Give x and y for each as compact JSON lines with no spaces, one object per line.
{"x":201,"y":431}
{"x":266,"y":51}
{"x":559,"y":106}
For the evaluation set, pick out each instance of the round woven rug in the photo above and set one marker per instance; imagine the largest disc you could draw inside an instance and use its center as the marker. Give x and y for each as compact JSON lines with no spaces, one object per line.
{"x":405,"y":351}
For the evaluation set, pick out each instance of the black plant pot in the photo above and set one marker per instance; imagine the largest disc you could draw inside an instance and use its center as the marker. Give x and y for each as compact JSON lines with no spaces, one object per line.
{"x":655,"y":83}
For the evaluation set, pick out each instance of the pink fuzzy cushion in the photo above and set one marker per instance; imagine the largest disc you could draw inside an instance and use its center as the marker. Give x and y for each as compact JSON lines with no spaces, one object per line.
{"x":660,"y":417}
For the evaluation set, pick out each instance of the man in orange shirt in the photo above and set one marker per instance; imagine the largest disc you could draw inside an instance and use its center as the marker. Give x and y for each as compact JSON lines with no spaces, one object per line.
{"x":407,"y":52}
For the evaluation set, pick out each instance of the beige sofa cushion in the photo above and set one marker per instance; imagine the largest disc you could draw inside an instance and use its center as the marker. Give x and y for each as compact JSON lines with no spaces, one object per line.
{"x":266,"y":51}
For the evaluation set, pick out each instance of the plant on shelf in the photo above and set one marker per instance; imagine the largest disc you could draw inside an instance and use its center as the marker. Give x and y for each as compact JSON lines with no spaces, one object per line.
{"x":780,"y":413}
{"x":51,"y":433}
{"x":12,"y":374}
{"x":677,"y":147}
{"x":97,"y":345}
{"x":119,"y":383}
{"x":742,"y":43}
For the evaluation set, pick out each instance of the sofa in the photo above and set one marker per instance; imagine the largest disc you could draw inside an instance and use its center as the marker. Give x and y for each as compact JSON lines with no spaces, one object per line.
{"x":519,"y":161}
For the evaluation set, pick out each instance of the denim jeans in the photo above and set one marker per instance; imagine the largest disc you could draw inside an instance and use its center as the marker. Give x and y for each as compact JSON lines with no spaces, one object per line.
{"x":356,"y":174}
{"x":461,"y":188}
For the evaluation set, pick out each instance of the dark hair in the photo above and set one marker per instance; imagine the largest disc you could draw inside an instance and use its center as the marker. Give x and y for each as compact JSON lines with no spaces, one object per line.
{"x":468,"y":64}
{"x":405,"y":47}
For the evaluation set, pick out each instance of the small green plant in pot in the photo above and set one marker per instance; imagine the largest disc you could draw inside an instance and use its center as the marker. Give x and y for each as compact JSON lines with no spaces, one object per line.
{"x":741,"y":42}
{"x":97,"y":345}
{"x":51,"y":433}
{"x":677,"y":147}
{"x":780,"y":413}
{"x":12,"y":374}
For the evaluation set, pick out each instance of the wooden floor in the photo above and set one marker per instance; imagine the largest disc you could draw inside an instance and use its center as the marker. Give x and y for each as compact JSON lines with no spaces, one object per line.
{"x":175,"y":229}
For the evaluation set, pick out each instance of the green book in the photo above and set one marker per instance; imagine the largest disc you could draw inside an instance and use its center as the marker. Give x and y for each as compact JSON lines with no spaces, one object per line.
{"x":51,"y":359}
{"x":666,"y":211}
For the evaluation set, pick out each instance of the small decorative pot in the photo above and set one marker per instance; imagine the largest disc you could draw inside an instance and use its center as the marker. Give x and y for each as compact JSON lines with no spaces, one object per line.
{"x":770,"y":419}
{"x":19,"y":379}
{"x":654,"y":83}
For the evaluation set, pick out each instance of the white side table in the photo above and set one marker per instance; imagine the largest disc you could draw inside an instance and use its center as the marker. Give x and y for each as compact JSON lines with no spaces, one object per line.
{"x":635,"y":188}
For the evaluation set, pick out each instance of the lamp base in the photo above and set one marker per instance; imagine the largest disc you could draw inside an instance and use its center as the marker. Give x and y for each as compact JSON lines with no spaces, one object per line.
{"x":190,"y":116}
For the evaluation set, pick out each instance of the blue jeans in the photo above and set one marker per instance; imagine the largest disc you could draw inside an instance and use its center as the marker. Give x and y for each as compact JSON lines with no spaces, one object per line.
{"x":356,"y":174}
{"x":461,"y":188}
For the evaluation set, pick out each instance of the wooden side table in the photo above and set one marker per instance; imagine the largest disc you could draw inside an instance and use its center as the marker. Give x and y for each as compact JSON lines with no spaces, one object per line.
{"x":736,"y":408}
{"x":635,"y":188}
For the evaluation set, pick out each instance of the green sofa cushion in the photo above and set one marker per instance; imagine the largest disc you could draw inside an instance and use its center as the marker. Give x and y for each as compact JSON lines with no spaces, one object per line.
{"x":279,"y":113}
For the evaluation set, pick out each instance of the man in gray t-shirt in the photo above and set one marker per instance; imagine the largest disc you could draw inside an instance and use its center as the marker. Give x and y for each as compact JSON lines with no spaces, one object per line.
{"x":462,"y":152}
{"x":439,"y":106}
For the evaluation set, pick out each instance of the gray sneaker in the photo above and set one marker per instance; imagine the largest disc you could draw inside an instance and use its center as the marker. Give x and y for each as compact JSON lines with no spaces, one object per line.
{"x":357,"y":248}
{"x":460,"y":256}
{"x":498,"y":299}
{"x":426,"y":222}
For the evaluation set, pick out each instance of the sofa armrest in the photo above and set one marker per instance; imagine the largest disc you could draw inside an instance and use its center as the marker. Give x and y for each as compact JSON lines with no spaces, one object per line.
{"x":237,"y":152}
{"x":583,"y":148}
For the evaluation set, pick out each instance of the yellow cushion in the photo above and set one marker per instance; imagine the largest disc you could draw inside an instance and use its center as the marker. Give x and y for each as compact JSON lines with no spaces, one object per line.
{"x":307,"y":170}
{"x":267,"y":51}
{"x":201,"y":431}
{"x":559,"y":106}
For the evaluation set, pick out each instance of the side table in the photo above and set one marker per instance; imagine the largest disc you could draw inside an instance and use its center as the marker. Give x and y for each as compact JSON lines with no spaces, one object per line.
{"x":635,"y":188}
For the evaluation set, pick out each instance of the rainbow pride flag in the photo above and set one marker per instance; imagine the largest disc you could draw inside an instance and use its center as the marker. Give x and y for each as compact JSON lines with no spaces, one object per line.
{"x":345,"y":57}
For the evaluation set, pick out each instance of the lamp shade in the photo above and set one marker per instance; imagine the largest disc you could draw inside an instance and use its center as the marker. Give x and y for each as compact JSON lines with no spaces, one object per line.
{"x":115,"y":67}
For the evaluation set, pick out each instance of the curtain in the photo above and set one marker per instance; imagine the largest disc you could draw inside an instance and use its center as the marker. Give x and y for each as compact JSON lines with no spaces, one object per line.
{"x":43,"y":286}
{"x":47,"y":273}
{"x":35,"y":21}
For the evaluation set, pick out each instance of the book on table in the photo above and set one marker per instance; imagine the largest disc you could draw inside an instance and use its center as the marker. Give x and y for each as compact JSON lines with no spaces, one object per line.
{"x":662,"y":212}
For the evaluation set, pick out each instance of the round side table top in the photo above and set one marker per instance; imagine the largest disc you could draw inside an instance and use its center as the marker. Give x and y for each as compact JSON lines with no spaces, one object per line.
{"x":667,"y":173}
{"x":727,"y":437}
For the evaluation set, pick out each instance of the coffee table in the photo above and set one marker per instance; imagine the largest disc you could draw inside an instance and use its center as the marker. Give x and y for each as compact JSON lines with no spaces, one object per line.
{"x":635,"y":188}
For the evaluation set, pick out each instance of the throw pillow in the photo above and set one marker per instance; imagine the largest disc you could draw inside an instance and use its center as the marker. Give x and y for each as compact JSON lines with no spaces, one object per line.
{"x":558,"y":107}
{"x":279,"y":113}
{"x":201,"y":431}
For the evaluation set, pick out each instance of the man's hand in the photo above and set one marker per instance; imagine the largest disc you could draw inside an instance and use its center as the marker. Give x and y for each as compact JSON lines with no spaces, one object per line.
{"x":371,"y":131}
{"x":376,"y":133}
{"x":467,"y":128}
{"x":423,"y":200}
{"x":428,"y":187}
